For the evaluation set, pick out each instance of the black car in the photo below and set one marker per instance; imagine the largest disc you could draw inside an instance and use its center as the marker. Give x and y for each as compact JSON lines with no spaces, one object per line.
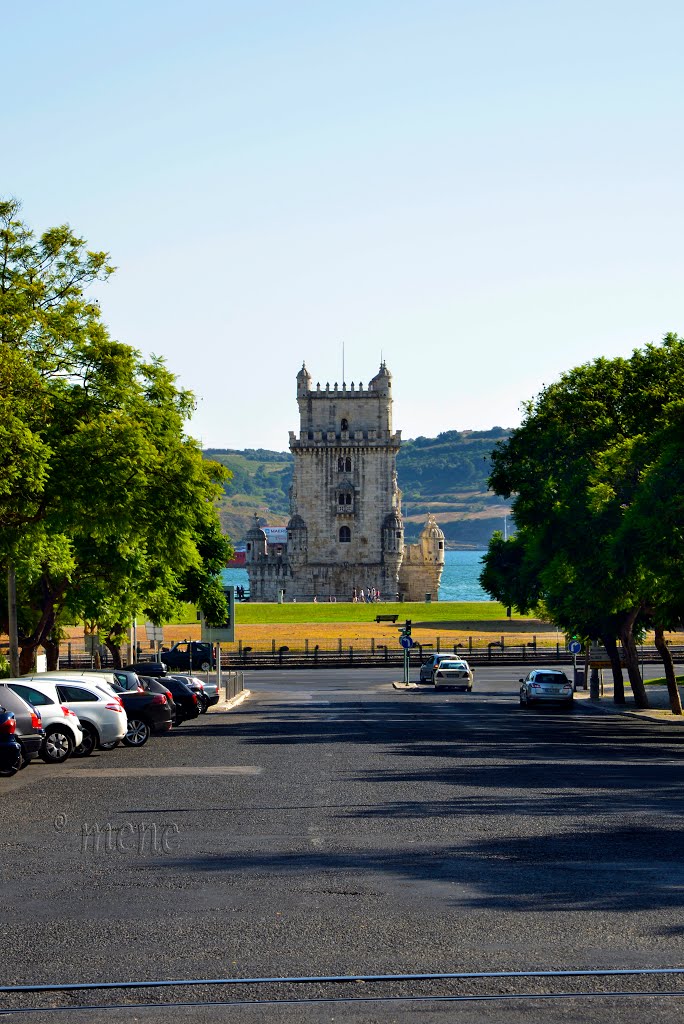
{"x":147,"y":713}
{"x":197,"y":686}
{"x":158,"y":686}
{"x":29,"y":732}
{"x":10,"y":750}
{"x":189,"y":655}
{"x":187,"y":705}
{"x":148,"y":668}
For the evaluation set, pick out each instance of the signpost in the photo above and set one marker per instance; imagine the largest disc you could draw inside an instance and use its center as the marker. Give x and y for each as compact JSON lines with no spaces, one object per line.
{"x":574,"y":647}
{"x":407,"y":643}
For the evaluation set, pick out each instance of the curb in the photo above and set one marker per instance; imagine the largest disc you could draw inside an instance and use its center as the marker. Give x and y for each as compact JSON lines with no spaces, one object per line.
{"x":228,"y":705}
{"x":662,"y":714}
{"x":426,"y":687}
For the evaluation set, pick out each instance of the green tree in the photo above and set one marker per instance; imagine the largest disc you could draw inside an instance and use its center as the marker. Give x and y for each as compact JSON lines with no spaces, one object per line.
{"x":122,"y":514}
{"x":578,"y":466}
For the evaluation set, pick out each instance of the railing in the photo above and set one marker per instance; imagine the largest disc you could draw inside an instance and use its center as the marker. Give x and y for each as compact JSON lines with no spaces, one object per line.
{"x":379,"y":655}
{"x":312,"y":652}
{"x":232,"y":683}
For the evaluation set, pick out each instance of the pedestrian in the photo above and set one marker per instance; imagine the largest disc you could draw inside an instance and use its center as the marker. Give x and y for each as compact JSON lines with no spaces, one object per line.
{"x":355,"y":597}
{"x":361,"y":596}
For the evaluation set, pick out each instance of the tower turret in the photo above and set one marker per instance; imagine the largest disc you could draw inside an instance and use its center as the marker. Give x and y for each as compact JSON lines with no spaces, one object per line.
{"x":303,"y":382}
{"x":256,"y":544}
{"x":432,"y":542}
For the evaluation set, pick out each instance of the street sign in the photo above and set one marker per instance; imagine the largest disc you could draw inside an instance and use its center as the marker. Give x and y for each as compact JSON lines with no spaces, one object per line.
{"x":155,"y":634}
{"x":575,"y":647}
{"x":406,"y":642}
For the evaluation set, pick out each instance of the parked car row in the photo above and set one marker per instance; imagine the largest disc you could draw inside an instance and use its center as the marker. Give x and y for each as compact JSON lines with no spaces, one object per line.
{"x":57,"y":715}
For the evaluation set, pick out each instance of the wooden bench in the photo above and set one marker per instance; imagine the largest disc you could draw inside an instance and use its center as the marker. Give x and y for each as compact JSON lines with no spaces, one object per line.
{"x":386,"y":618}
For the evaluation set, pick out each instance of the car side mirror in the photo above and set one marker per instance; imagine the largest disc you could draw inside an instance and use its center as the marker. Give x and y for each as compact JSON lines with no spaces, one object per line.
{"x":521,"y":680}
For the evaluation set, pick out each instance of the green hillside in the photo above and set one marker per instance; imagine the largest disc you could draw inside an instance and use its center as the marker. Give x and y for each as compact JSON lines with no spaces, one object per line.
{"x":446,"y":475}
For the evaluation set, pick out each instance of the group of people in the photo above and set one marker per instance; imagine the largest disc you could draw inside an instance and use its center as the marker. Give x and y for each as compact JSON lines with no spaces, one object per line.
{"x":369,"y":596}
{"x":240,"y":593}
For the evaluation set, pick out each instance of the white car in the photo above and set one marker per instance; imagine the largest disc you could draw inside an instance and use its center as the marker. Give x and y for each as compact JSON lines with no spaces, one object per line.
{"x":453,"y":674}
{"x":101,"y":712}
{"x":63,"y":733}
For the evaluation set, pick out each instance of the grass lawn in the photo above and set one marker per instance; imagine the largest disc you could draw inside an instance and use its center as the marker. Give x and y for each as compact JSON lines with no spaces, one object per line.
{"x":662,"y":681}
{"x":419,"y":611}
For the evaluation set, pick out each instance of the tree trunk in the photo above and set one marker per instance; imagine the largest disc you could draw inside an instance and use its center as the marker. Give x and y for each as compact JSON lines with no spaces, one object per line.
{"x":632,"y":660}
{"x":44,"y":626}
{"x":27,"y":656}
{"x":610,"y":644}
{"x":115,"y":650}
{"x":52,"y":651}
{"x":670,"y":675}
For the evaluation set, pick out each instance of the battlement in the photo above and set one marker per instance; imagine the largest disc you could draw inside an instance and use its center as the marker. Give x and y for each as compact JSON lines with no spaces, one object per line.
{"x":348,"y":390}
{"x":345,"y":439}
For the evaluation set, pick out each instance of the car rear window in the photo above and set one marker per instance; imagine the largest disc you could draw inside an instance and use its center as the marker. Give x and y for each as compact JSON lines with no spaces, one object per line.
{"x":31,"y":695}
{"x":550,"y":677}
{"x":75,"y":694}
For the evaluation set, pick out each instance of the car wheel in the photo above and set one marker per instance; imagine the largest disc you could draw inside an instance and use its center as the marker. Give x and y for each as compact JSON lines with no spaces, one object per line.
{"x":89,"y":741}
{"x":205,"y":666}
{"x":7,"y":773}
{"x":109,"y":745}
{"x":203,"y":704}
{"x":138,"y":733}
{"x":57,"y":746}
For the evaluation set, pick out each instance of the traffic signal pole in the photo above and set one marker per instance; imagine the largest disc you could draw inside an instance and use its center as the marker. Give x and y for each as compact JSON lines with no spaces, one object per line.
{"x":406,"y":643}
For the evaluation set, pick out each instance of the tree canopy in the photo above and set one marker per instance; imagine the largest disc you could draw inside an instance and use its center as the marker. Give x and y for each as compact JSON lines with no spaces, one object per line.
{"x":595,"y":470}
{"x":107,"y":506}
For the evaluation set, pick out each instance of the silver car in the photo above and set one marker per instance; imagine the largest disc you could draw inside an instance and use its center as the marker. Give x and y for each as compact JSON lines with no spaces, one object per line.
{"x":101,"y":713}
{"x":545,"y":686}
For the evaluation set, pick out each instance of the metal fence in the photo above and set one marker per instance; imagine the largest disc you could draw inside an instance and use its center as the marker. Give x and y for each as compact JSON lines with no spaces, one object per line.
{"x":379,"y":655}
{"x":311,"y":653}
{"x":232,"y":683}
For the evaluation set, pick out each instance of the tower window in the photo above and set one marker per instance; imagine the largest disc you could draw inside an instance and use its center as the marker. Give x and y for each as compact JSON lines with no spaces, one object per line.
{"x":345,"y":535}
{"x":344,"y":498}
{"x":345,"y":424}
{"x":347,"y":465}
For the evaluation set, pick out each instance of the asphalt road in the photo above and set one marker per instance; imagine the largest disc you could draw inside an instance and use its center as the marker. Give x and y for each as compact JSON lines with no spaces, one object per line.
{"x":333,"y":826}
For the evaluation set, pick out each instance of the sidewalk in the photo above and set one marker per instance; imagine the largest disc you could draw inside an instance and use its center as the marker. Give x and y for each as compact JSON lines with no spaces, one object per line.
{"x":227,"y":705}
{"x":658,"y":699}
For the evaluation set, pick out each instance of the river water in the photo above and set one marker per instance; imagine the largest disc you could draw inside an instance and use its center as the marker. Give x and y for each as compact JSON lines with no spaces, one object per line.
{"x":459,"y":579}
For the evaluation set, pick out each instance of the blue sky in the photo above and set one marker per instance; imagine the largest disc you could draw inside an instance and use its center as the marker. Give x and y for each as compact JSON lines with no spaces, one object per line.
{"x":487,"y":193}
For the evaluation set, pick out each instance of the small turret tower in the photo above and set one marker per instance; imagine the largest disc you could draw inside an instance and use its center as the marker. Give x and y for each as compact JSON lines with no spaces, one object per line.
{"x":423,"y":563}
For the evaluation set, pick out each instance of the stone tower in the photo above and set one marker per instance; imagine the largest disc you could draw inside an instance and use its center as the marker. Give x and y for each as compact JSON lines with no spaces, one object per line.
{"x":346,"y":530}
